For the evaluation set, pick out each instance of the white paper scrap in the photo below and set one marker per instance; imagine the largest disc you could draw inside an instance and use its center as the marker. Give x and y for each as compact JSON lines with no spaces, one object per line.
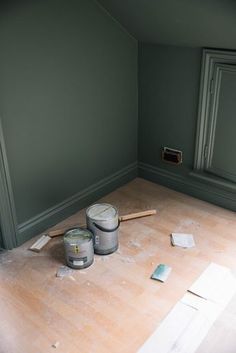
{"x":216,"y":283}
{"x":188,"y":323}
{"x":183,"y":240}
{"x":165,"y":338}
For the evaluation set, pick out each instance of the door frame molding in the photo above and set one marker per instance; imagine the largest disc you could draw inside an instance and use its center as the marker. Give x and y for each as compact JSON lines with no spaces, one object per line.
{"x":219,"y":70}
{"x":210,"y":58}
{"x":8,"y":220}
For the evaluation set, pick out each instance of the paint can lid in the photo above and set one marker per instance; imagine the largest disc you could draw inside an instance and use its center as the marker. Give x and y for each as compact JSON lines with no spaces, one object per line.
{"x":102,"y":212}
{"x":77,"y":236}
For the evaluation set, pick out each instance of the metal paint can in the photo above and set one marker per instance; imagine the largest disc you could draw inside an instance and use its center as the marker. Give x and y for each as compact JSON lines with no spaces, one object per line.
{"x":103,"y":221}
{"x":78,"y":248}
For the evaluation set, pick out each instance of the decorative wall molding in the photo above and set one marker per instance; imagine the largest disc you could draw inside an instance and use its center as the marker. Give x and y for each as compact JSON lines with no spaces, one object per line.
{"x":188,"y":185}
{"x":210,"y":59}
{"x":8,"y":221}
{"x":76,"y":202}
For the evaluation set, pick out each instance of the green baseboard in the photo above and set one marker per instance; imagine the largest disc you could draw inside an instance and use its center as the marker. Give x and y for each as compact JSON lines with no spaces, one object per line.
{"x":188,"y":185}
{"x":51,"y":216}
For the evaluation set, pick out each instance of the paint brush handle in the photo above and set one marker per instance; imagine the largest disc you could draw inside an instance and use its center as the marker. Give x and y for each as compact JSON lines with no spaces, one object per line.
{"x":137,"y":215}
{"x":61,"y":231}
{"x":57,"y":232}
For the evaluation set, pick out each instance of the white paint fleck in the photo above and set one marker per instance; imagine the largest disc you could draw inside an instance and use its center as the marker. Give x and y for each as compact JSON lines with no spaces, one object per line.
{"x":129,"y":260}
{"x":134,"y":244}
{"x":105,"y":258}
{"x":64,"y":271}
{"x":56,"y":344}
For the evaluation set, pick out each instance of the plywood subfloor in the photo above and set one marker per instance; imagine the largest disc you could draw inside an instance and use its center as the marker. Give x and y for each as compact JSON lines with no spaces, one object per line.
{"x":113,"y":306}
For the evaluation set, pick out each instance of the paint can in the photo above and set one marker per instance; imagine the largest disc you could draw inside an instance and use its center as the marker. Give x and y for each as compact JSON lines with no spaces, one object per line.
{"x":78,"y":248}
{"x":103,"y":221}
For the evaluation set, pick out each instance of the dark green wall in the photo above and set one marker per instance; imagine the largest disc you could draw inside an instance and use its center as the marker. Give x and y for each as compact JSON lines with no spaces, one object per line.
{"x":190,"y":23}
{"x":1,"y":243}
{"x":68,"y":99}
{"x":169,"y":79}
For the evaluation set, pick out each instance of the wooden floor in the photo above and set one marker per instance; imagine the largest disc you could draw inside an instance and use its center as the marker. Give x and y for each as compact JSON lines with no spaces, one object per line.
{"x":112,"y":306}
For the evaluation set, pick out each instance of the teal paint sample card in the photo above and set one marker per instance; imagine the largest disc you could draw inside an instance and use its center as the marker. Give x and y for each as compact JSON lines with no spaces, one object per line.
{"x":161,"y":273}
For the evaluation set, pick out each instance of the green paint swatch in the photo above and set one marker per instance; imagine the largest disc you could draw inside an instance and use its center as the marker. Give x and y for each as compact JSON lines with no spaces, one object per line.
{"x":161,"y":273}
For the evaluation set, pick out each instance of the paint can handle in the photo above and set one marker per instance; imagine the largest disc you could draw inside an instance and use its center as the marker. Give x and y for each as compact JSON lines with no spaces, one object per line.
{"x":105,"y":229}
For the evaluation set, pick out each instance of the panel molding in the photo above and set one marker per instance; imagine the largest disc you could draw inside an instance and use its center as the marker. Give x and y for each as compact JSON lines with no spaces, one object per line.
{"x":201,"y":189}
{"x":213,"y":117}
{"x":218,"y":72}
{"x":210,"y":59}
{"x":8,"y":221}
{"x":83,"y":198}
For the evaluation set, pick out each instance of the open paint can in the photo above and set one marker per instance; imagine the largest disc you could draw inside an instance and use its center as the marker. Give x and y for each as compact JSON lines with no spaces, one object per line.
{"x":79,"y":248}
{"x":103,"y":221}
